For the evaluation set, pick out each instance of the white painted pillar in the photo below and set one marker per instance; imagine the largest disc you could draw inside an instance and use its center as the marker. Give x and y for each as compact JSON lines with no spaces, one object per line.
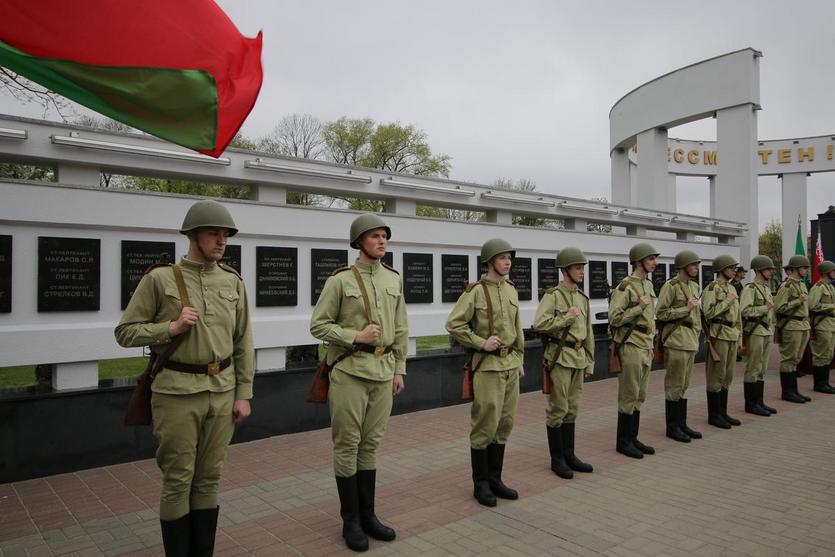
{"x":407,"y":207}
{"x":270,"y":359}
{"x":652,"y":172}
{"x":711,"y":180}
{"x":78,"y":174}
{"x":793,"y":188}
{"x":735,"y":192}
{"x":270,"y":193}
{"x":75,"y":375}
{"x":412,"y":349}
{"x":500,"y":217}
{"x":672,"y":193}
{"x":621,"y":184}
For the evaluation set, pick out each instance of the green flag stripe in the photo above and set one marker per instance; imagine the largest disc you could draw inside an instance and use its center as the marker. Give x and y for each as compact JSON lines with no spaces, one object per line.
{"x":180,"y":106}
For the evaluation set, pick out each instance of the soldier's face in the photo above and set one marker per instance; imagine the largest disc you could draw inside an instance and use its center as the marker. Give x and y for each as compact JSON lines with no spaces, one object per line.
{"x":211,"y":242}
{"x":374,"y":243}
{"x":803,"y":271}
{"x":501,"y":263}
{"x":831,"y":275}
{"x":740,"y":275}
{"x":767,"y":273}
{"x":576,"y":273}
{"x":649,"y":263}
{"x":728,"y":273}
{"x":692,"y":270}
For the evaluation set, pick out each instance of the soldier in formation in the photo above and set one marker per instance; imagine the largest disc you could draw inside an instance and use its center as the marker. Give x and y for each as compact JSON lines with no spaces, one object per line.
{"x":792,"y":313}
{"x":361,"y":316}
{"x":205,"y":385}
{"x":756,"y":307}
{"x":822,"y":316}
{"x":486,"y":321}
{"x":564,"y":320}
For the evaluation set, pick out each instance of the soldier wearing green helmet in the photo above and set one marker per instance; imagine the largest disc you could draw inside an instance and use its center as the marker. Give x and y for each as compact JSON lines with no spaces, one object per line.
{"x":822,"y":314}
{"x":564,"y":320}
{"x":361,"y":316}
{"x":632,"y":321}
{"x":720,"y":305}
{"x":757,"y":309}
{"x":206,"y":384}
{"x":681,"y":324}
{"x":486,"y":321}
{"x":793,"y":323}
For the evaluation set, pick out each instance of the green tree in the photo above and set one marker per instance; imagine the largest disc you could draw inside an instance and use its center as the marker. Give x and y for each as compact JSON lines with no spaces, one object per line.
{"x":771,"y":242}
{"x":348,"y":141}
{"x":596,"y":226}
{"x":526,"y":185}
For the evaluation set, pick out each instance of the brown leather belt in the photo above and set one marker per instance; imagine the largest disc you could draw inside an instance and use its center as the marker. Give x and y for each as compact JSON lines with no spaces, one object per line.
{"x":212,"y":368}
{"x":501,"y":351}
{"x":376,"y":350}
{"x":576,"y":344}
{"x":722,"y":322}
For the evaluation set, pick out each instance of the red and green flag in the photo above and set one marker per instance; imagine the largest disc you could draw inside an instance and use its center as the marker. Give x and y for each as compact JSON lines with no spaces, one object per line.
{"x":177,"y":69}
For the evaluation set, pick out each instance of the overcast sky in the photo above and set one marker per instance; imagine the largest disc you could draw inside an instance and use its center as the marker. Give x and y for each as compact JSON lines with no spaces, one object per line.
{"x":523,"y":89}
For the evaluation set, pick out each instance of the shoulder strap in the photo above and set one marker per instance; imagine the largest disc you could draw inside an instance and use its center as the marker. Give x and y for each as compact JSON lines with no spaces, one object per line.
{"x":181,"y":285}
{"x":489,"y":309}
{"x":364,"y":292}
{"x":162,"y":359}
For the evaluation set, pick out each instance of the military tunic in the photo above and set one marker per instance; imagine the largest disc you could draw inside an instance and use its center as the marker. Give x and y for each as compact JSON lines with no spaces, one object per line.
{"x":574,"y":361}
{"x":793,"y":317}
{"x":496,"y":383}
{"x":636,"y":352}
{"x":822,"y":310}
{"x":360,"y":394}
{"x":192,"y":412}
{"x":721,"y":311}
{"x":757,"y":323}
{"x":679,"y":333}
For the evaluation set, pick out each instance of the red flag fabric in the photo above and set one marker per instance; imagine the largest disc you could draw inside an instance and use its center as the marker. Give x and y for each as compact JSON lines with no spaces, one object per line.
{"x":817,"y":259}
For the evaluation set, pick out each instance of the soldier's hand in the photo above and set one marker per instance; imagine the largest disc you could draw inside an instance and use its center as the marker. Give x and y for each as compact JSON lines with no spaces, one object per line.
{"x":573,"y":311}
{"x":520,"y":372}
{"x":398,"y":385}
{"x":693,"y":303}
{"x":492,"y":343}
{"x":187,"y":320}
{"x":732,"y":295}
{"x":241,"y":410}
{"x":769,"y":304}
{"x":369,"y":335}
{"x":644,"y":301}
{"x":803,"y":297}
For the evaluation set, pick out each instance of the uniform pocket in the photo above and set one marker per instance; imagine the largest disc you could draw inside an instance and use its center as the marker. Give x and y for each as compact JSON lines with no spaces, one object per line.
{"x":229,"y":296}
{"x":395,"y":292}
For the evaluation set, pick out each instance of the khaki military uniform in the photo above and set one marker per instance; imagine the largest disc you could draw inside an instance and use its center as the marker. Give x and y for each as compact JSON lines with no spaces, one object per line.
{"x":822,"y":310}
{"x":576,"y":355}
{"x":496,"y":383}
{"x":360,"y":394}
{"x":192,"y":412}
{"x":722,"y":315}
{"x":793,"y":315}
{"x":636,"y":352}
{"x":679,"y":334}
{"x":737,"y":286}
{"x":757,"y":324}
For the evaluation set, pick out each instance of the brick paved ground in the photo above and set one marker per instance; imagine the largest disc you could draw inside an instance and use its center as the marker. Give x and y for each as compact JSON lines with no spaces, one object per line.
{"x":766,"y":488}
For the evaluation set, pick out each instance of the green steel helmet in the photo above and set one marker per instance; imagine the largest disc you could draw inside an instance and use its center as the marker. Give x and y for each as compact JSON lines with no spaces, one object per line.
{"x":685,"y":258}
{"x":826,"y":267}
{"x":761,"y":263}
{"x":796,"y":261}
{"x":494,"y":247}
{"x":642,"y":250}
{"x":571,"y":256}
{"x":363,"y":224}
{"x":723,"y":262}
{"x":208,"y":213}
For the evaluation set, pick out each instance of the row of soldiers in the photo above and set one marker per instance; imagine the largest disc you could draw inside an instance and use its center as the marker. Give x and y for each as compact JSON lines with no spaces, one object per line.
{"x":199,"y":308}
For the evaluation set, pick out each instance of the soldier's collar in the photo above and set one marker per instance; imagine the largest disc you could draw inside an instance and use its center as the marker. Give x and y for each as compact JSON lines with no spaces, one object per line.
{"x":194,"y":265}
{"x":370,"y":267}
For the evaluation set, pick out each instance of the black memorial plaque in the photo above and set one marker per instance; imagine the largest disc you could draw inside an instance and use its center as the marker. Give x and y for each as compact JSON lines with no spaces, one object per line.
{"x":136,"y":258}
{"x":520,"y":274}
{"x":598,"y":285}
{"x":276,"y":276}
{"x":5,"y":274}
{"x":620,"y":270}
{"x":323,"y":262}
{"x":455,"y":274}
{"x":546,"y":275}
{"x":417,"y":278}
{"x":232,"y":257}
{"x":69,"y":274}
{"x":388,"y":259}
{"x":707,"y":275}
{"x":659,"y":277}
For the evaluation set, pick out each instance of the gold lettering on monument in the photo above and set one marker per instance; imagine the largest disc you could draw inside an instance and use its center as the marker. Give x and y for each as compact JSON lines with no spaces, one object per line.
{"x":692,"y":156}
{"x":710,"y":158}
{"x":764,"y":154}
{"x":784,"y":156}
{"x":678,"y":155}
{"x":806,"y":154}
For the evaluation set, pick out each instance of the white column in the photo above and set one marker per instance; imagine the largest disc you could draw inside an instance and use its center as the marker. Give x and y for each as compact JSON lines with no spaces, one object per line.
{"x":621,"y":185}
{"x":78,"y":174}
{"x":75,"y":375}
{"x":672,"y":193}
{"x":793,"y":187}
{"x":270,"y":193}
{"x":412,"y":349}
{"x":711,"y":180}
{"x":652,"y":172}
{"x":735,"y":192}
{"x":500,"y":217}
{"x":270,"y":359}
{"x":406,"y":207}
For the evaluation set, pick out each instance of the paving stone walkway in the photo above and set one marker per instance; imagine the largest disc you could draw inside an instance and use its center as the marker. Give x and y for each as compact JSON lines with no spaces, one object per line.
{"x":765,"y":488}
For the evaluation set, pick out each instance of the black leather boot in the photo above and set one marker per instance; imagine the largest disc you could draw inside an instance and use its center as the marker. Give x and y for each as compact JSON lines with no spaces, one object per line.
{"x":370,"y":524}
{"x":568,"y":450}
{"x":355,"y":538}
{"x":714,"y":410}
{"x":801,"y":395}
{"x":481,"y":480}
{"x":624,"y":437}
{"x":788,"y":382}
{"x":176,"y":536}
{"x":682,"y":417}
{"x":203,"y":529}
{"x":636,"y":425}
{"x":752,"y":405}
{"x":495,"y":463}
{"x":761,"y":395}
{"x":822,"y":385}
{"x":671,"y":408}
{"x":723,"y":406}
{"x":555,"y":447}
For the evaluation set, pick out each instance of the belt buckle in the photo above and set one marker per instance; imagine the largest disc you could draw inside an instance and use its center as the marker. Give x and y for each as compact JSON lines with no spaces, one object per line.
{"x":213,"y":368}
{"x":503,"y":352}
{"x":379,"y":350}
{"x":578,"y":345}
